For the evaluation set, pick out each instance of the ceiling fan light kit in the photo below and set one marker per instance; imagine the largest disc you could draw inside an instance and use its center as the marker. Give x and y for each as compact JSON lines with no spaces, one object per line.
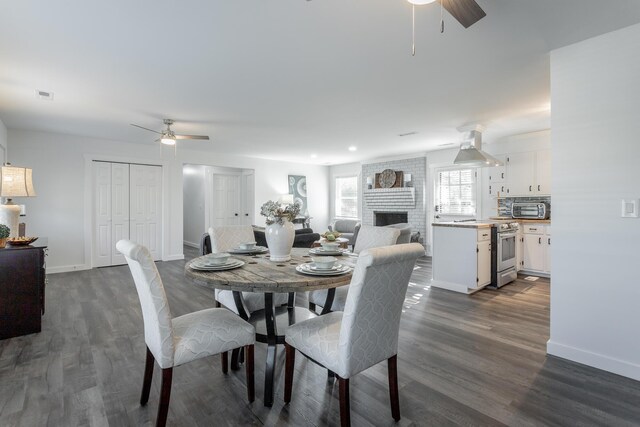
{"x":168,"y":137}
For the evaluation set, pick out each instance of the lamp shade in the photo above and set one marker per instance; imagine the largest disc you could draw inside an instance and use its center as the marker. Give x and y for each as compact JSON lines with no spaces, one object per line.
{"x":16,"y":182}
{"x":286,"y":199}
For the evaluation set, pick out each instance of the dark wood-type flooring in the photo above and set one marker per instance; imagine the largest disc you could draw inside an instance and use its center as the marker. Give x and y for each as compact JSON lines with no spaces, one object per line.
{"x":463,"y":360}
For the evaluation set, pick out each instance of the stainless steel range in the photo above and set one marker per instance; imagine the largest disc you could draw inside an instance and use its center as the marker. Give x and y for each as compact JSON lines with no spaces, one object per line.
{"x":503,"y":254}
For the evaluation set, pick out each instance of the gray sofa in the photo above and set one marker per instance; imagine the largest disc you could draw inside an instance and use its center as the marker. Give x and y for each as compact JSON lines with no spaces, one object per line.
{"x":348,"y":228}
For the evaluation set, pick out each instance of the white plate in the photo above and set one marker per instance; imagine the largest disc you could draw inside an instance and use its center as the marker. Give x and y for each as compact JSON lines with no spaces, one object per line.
{"x":318,"y":251}
{"x":307,"y":270}
{"x":228,"y":266}
{"x":255,"y":250}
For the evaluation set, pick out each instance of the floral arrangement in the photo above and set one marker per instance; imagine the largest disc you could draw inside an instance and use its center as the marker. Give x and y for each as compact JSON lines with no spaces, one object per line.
{"x":4,"y":231}
{"x":276,"y":212}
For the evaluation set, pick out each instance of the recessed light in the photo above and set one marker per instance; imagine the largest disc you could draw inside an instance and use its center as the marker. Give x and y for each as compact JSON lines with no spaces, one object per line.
{"x":42,"y":94}
{"x":353,"y":148}
{"x":313,"y":156}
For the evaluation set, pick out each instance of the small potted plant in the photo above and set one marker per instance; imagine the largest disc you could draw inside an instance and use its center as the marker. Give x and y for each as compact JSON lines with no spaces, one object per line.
{"x":4,"y":234}
{"x":279,"y":232}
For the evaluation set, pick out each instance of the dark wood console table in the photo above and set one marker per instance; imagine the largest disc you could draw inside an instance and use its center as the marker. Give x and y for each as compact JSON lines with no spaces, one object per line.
{"x":22,"y":283}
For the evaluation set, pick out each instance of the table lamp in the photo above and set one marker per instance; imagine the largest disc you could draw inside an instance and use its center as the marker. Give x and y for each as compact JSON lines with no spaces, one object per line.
{"x":286,"y":199}
{"x":14,"y":182}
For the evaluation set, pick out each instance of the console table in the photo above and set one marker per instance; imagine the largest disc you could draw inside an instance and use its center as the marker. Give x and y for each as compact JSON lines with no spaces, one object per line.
{"x":22,"y":283}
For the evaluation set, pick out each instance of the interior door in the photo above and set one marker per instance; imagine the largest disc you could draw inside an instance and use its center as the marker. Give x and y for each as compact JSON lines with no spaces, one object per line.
{"x":119,"y":209}
{"x":247,"y":191}
{"x":146,"y":207}
{"x":226,"y":207}
{"x":102,"y":248}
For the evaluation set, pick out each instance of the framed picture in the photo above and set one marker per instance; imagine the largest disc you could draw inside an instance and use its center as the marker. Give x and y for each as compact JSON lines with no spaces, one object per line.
{"x":298,"y":187}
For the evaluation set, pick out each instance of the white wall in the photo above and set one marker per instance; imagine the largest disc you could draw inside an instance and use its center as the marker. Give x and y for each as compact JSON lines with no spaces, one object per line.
{"x":58,"y":163}
{"x":193,"y":204}
{"x":336,"y":171}
{"x":3,"y":143}
{"x":595,"y":290}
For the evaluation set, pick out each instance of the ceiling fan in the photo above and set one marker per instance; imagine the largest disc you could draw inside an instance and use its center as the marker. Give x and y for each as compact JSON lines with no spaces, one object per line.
{"x":168,"y":137}
{"x":466,"y":12}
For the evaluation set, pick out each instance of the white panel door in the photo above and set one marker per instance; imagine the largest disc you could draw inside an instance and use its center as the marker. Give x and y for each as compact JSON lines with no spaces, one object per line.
{"x":119,"y":209}
{"x":226,"y":201}
{"x":146,"y":207}
{"x":102,"y":249}
{"x":247,"y":190}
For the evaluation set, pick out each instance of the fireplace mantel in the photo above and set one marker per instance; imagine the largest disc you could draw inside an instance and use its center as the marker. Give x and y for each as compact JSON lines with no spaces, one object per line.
{"x":390,"y":198}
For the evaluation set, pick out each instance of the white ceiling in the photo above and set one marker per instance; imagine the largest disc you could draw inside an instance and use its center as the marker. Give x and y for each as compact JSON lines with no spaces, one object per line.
{"x":288,"y":78}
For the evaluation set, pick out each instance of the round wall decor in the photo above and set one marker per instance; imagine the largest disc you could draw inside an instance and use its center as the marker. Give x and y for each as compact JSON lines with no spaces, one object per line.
{"x":387,"y":178}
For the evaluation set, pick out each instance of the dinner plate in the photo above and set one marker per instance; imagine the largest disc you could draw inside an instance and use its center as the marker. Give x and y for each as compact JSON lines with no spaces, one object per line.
{"x":306,"y":269}
{"x":319,"y":251}
{"x":196,"y":265}
{"x":254,"y":250}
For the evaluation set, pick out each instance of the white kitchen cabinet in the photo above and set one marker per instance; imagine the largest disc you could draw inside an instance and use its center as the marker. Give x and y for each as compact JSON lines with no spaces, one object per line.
{"x":519,"y":249}
{"x":498,"y":173}
{"x":537,"y":248}
{"x":528,"y":173}
{"x":543,"y":172}
{"x":461,"y":258}
{"x":520,"y":169}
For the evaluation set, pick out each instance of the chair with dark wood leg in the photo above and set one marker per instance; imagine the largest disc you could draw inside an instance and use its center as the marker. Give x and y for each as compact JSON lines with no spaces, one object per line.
{"x":223,"y":239}
{"x":368,"y":237}
{"x":366,"y":333}
{"x":173,"y":342}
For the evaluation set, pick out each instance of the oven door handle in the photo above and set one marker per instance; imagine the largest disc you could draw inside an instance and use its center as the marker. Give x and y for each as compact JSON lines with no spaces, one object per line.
{"x":506,"y":235}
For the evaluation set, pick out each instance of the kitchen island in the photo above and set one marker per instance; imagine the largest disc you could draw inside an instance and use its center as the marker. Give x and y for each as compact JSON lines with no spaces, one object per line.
{"x":462,"y":255}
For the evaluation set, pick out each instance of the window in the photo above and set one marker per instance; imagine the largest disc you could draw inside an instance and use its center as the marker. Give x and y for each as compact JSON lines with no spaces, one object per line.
{"x":347,"y":197}
{"x":456,"y":192}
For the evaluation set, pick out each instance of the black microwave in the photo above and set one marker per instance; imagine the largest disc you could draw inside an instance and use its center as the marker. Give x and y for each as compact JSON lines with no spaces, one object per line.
{"x":530,"y":210}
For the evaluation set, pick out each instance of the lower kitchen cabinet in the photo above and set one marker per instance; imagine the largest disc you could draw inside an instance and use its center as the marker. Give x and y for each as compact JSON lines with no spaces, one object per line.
{"x":461,"y":257}
{"x":537,"y":248}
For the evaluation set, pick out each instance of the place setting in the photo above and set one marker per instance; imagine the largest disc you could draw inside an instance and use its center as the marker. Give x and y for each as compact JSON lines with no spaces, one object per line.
{"x":323,"y":266}
{"x":249,"y":248}
{"x":328,"y":249}
{"x":216,"y":262}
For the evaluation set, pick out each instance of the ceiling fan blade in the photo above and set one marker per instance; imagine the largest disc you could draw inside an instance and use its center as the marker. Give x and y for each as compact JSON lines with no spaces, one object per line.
{"x":192,"y":137}
{"x":466,"y":12}
{"x":150,"y":130}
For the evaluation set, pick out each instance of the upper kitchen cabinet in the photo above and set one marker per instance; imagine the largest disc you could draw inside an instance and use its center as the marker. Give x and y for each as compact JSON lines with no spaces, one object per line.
{"x":528,"y":173}
{"x":498,"y":174}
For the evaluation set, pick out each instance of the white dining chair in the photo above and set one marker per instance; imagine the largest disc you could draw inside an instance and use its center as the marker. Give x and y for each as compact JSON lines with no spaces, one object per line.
{"x":173,"y":342}
{"x":224,"y":239}
{"x":366,"y":333}
{"x":368,"y":237}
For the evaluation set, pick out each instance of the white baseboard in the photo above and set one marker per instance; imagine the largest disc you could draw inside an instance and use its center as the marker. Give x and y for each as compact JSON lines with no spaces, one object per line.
{"x":67,"y":268}
{"x":190,"y":244}
{"x":600,"y":361}
{"x":174,"y":257}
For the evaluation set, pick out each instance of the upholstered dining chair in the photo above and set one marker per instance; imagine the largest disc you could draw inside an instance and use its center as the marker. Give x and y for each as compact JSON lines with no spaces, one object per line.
{"x":368,"y":237}
{"x":366,"y":333}
{"x":175,"y":341}
{"x":224,"y":239}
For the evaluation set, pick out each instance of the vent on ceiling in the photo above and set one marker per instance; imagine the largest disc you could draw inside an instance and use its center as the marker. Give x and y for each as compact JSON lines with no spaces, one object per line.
{"x":407,"y":134}
{"x":48,"y":96}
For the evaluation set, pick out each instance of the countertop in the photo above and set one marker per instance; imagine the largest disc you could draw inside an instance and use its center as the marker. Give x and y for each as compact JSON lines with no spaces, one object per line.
{"x":467,"y":224}
{"x":522,"y":220}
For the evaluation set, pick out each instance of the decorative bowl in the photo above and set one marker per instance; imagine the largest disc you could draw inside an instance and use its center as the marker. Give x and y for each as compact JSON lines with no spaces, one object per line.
{"x":247,"y":245}
{"x":324,"y":263}
{"x":21,"y":241}
{"x":218,"y":259}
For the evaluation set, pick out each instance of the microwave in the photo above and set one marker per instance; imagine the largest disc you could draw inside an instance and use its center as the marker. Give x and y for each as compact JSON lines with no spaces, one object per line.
{"x":530,"y":210}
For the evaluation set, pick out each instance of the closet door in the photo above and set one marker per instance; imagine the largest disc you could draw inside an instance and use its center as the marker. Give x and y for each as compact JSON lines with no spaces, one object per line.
{"x":146,"y":207}
{"x":247,"y":195}
{"x":226,"y":201}
{"x":103,"y":237}
{"x":119,"y":209}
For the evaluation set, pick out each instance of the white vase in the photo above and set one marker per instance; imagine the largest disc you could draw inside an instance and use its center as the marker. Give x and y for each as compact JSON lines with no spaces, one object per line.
{"x":280,"y":240}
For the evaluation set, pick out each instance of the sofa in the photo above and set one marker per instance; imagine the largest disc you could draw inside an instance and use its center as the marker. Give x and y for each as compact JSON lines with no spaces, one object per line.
{"x":348,"y":229}
{"x":304,"y":237}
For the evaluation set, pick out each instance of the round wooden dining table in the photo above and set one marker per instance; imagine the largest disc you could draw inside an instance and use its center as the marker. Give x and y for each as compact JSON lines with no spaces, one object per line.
{"x":259,"y":274}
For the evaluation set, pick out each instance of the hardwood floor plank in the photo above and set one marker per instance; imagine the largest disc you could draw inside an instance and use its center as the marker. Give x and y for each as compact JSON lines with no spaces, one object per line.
{"x":463,"y":360}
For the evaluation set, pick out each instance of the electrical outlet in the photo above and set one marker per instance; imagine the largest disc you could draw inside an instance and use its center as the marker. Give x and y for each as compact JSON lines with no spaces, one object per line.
{"x":630,"y":208}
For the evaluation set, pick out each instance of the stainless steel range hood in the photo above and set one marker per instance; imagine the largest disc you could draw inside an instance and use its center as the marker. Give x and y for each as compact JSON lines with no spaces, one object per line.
{"x":471,"y":153}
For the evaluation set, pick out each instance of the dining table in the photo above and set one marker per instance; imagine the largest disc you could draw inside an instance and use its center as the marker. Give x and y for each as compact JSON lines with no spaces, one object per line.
{"x":260,"y":274}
